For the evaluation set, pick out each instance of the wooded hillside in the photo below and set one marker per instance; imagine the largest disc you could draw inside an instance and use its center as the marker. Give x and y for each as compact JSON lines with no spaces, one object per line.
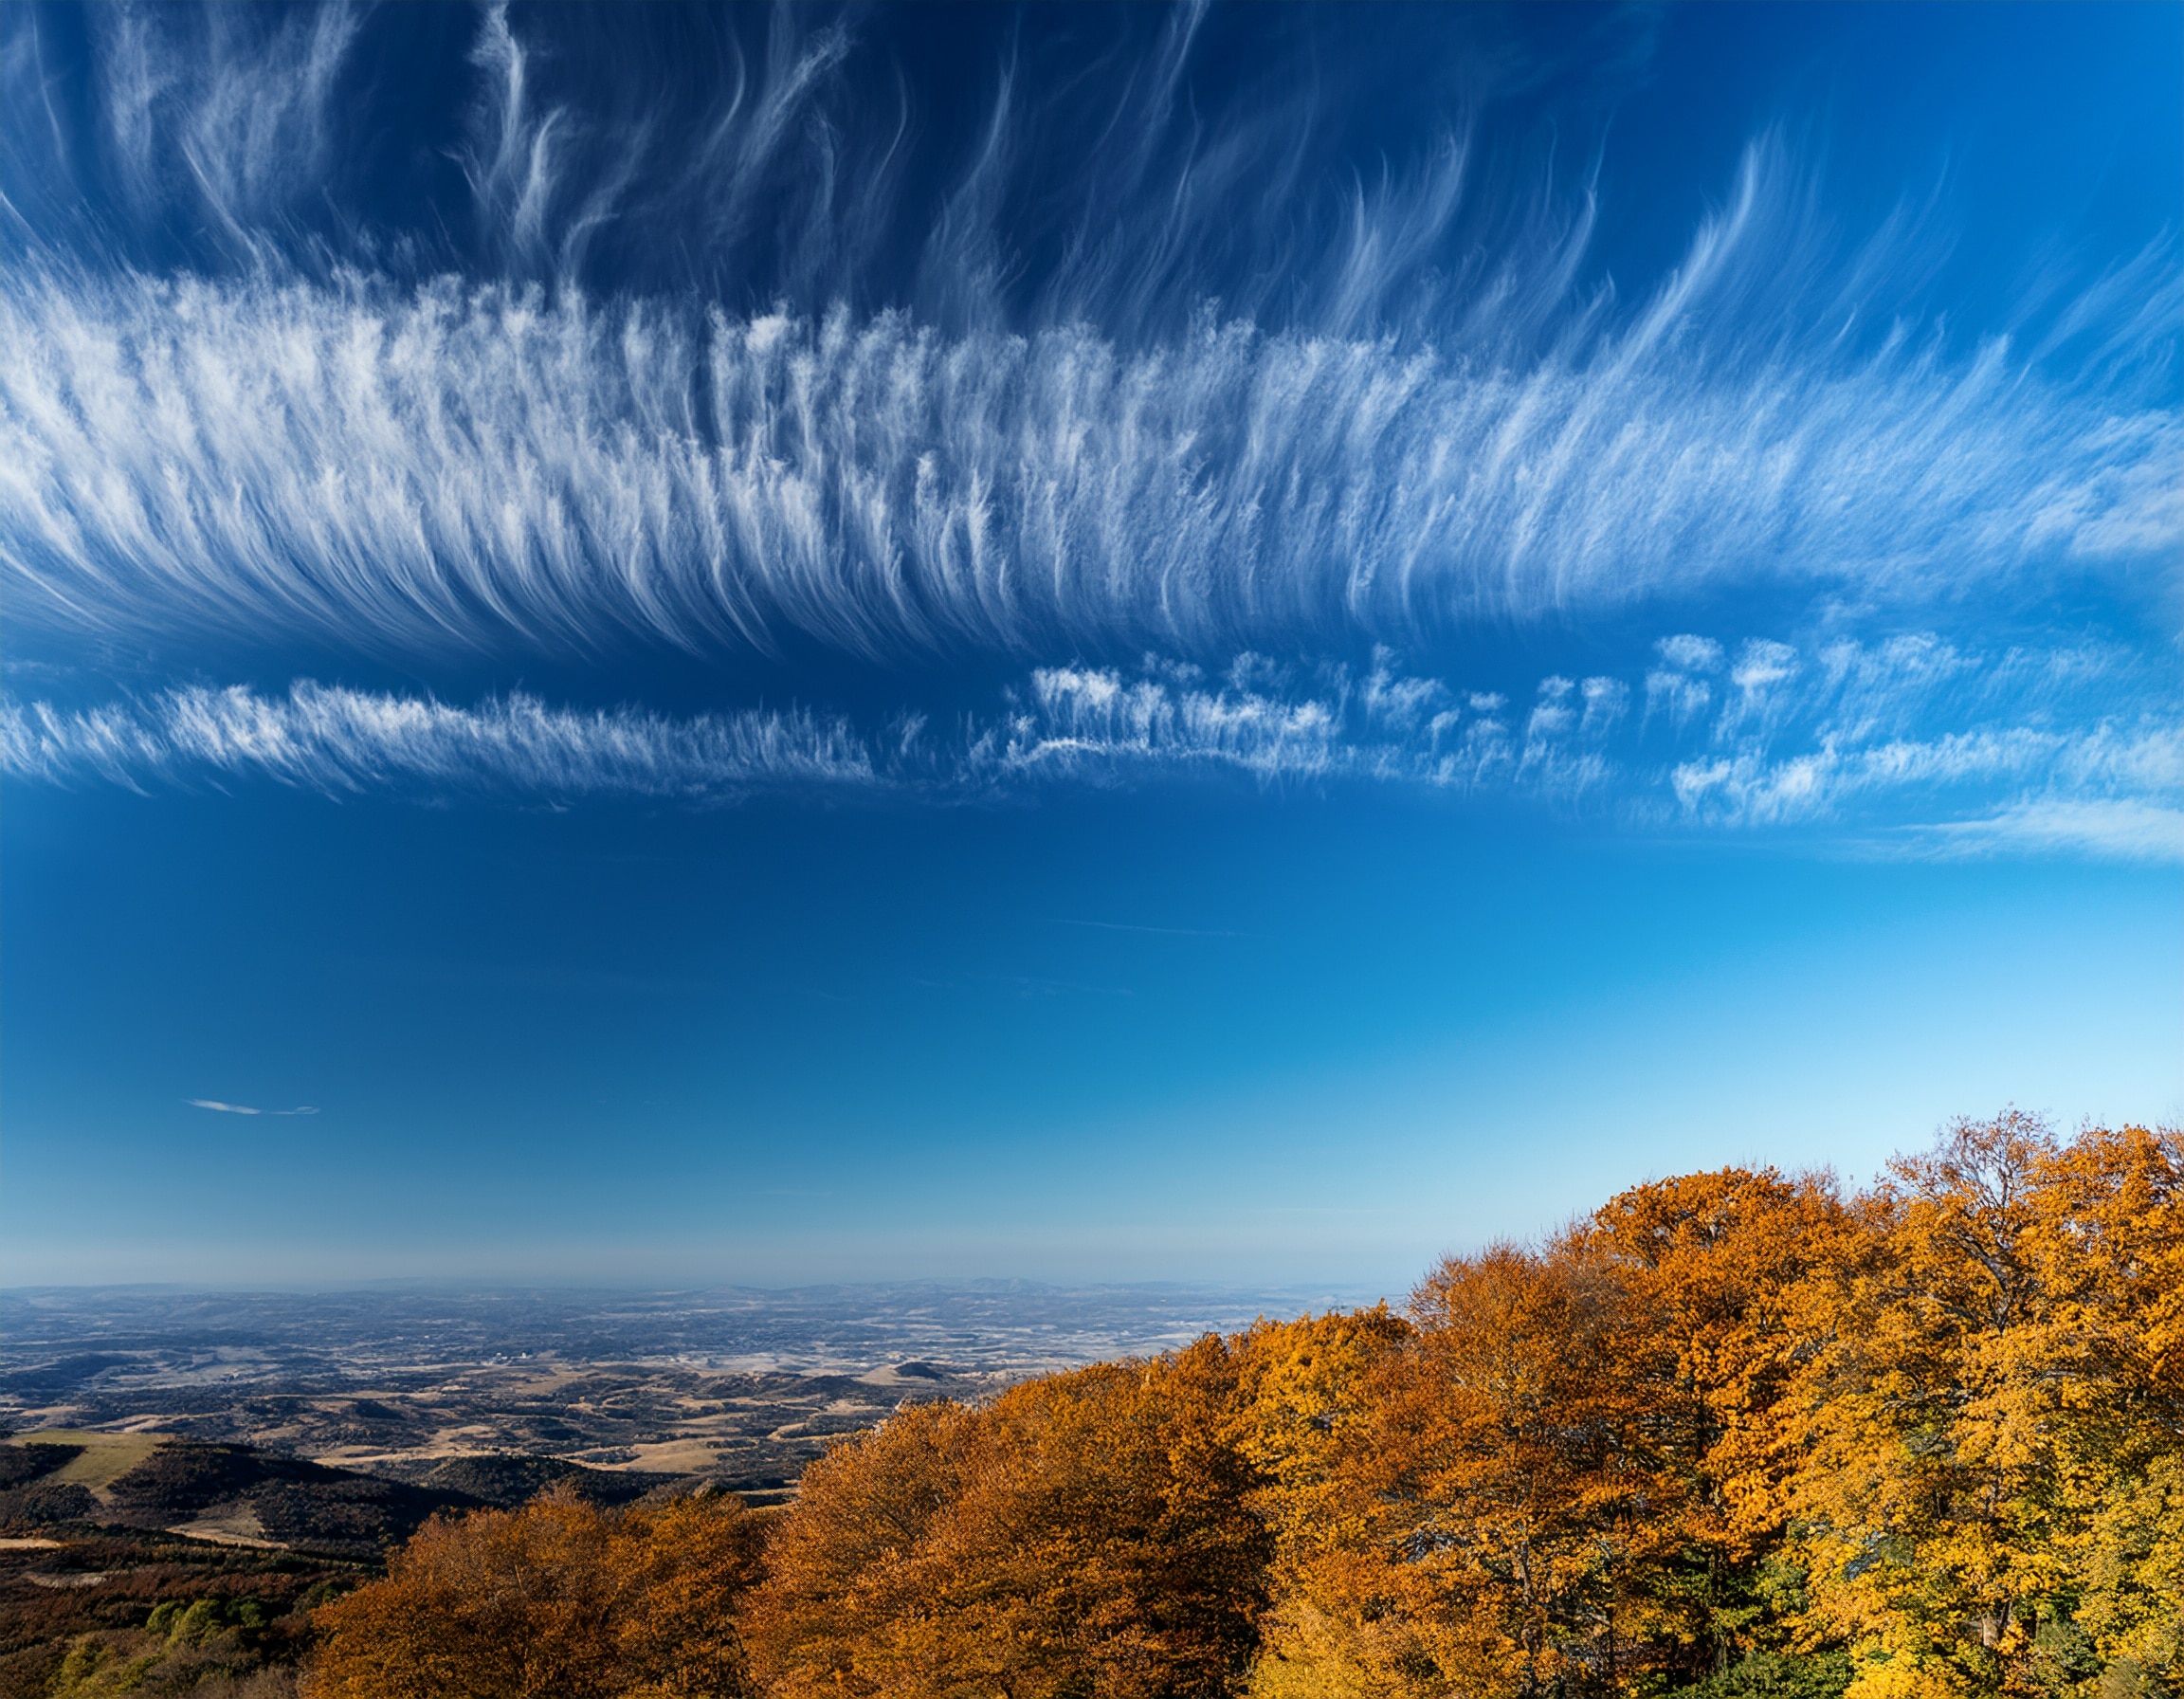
{"x":1733,"y":1433}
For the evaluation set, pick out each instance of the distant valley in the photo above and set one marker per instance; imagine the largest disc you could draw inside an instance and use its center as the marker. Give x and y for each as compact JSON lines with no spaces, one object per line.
{"x":739,"y":1388}
{"x":247,"y":1455}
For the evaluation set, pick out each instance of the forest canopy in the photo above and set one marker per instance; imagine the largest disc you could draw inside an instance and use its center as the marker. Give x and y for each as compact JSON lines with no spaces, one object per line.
{"x":1734,"y":1432}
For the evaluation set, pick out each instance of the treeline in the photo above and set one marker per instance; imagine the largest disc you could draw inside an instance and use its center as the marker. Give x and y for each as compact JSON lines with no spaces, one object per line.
{"x":1734,"y":1432}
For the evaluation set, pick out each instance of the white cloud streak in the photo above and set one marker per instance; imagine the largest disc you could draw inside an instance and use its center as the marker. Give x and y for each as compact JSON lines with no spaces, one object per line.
{"x":468,"y":468}
{"x":336,"y":742}
{"x":206,"y":1103}
{"x":765,"y":159}
{"x":2119,"y":830}
{"x":1818,"y":741}
{"x":236,"y":118}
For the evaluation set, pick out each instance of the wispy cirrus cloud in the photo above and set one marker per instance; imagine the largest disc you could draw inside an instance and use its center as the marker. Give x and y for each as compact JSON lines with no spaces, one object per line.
{"x":1215,"y":395}
{"x":780,"y":155}
{"x":1421,"y":437}
{"x":1817,"y":741}
{"x":206,"y":1103}
{"x":238,"y":120}
{"x":2121,"y":828}
{"x":474,"y":468}
{"x":335,"y":741}
{"x":1289,"y":726}
{"x":1415,"y":408}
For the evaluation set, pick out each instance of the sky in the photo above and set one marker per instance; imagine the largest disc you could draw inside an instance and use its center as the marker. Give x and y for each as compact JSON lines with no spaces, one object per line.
{"x":1243,"y":644}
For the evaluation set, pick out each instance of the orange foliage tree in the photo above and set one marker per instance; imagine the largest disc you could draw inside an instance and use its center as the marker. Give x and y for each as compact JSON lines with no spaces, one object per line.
{"x":1717,"y":1271}
{"x":1519,"y":1492}
{"x":556,"y":1600}
{"x":1303,"y":1410}
{"x":1993,"y":1440}
{"x":2108,"y":1248}
{"x":1085,"y":1533}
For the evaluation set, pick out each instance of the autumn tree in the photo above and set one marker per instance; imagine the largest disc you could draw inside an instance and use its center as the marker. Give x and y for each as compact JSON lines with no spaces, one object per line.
{"x":2107,"y":1246}
{"x":1993,"y":1436}
{"x":1717,"y":1267}
{"x":1085,"y":1533}
{"x":1572,"y":1476}
{"x":1529,"y":1432}
{"x":857,"y":1570}
{"x":1304,"y":1413}
{"x":683,"y":1569}
{"x":1502,"y":1495}
{"x":556,"y":1600}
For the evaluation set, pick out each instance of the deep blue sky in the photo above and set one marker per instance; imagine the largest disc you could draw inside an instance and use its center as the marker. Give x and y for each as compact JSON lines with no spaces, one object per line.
{"x":1084,"y":643}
